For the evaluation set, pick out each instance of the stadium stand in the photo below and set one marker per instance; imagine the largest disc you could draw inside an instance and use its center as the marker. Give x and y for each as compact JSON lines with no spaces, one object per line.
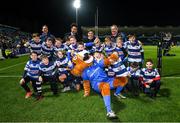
{"x":10,"y":38}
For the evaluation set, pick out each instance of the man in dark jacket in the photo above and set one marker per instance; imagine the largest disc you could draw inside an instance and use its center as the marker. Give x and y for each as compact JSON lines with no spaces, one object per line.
{"x":74,"y":32}
{"x":115,"y":34}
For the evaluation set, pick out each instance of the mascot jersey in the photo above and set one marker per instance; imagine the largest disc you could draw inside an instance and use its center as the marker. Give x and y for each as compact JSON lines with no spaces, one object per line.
{"x":96,"y":74}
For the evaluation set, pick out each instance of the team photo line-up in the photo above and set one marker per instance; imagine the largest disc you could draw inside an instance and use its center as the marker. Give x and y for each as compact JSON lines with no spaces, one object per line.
{"x":116,"y":63}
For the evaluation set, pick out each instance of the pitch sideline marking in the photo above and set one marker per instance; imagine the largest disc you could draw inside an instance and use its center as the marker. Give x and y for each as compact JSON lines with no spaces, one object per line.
{"x":17,"y":76}
{"x":13,"y":76}
{"x":11,"y":66}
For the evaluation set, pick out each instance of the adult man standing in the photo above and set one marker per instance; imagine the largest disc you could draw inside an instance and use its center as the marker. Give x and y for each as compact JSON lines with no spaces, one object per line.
{"x":45,"y":34}
{"x":115,"y":34}
{"x":74,"y":32}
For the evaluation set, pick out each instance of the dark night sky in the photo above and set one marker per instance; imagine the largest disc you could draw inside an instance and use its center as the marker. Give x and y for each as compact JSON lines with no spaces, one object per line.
{"x":30,"y":15}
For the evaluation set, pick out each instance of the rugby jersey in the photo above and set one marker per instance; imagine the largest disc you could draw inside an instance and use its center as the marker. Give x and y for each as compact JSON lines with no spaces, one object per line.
{"x":133,"y":72}
{"x":63,"y":64}
{"x":32,"y":69}
{"x":95,"y":48}
{"x":63,"y":47}
{"x":109,"y":49}
{"x":47,"y":70}
{"x":119,"y":68}
{"x":49,"y":51}
{"x":71,"y":48}
{"x":148,"y":74}
{"x":120,"y":52}
{"x":35,"y":46}
{"x":134,"y":51}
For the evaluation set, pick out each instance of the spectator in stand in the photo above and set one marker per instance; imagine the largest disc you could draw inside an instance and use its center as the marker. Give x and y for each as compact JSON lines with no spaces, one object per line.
{"x":4,"y":47}
{"x":21,"y":46}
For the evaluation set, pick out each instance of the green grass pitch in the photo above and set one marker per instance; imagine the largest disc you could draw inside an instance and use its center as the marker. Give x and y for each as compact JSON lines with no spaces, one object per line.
{"x":71,"y":106}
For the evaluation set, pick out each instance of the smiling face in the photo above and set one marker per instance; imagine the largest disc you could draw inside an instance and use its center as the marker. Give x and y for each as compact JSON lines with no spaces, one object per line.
{"x":90,"y":35}
{"x":132,"y":39}
{"x":114,"y":30}
{"x":45,"y":61}
{"x":80,"y":47}
{"x":97,"y":56}
{"x":149,"y":65}
{"x":73,"y":41}
{"x":49,"y":43}
{"x":60,"y":54}
{"x":34,"y":57}
{"x":45,"y":29}
{"x":36,"y":39}
{"x":108,"y":41}
{"x":119,"y":43}
{"x":74,"y":29}
{"x":58,"y":43}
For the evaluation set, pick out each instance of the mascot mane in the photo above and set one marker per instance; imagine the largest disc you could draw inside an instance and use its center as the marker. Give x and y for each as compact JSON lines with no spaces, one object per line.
{"x":82,"y":60}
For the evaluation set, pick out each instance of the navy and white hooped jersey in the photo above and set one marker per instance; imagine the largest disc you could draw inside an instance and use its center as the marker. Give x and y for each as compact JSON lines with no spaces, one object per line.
{"x":71,"y":48}
{"x":119,"y":68}
{"x":32,"y":68}
{"x":63,"y":47}
{"x":47,"y":70}
{"x":49,"y":51}
{"x":133,"y":72}
{"x":120,"y":52}
{"x":35,"y":47}
{"x":109,"y":49}
{"x":63,"y":64}
{"x":134,"y":51}
{"x":148,"y":74}
{"x":95,"y":48}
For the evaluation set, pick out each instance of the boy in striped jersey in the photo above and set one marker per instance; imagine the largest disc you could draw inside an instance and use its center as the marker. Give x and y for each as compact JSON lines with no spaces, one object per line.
{"x":109,"y":46}
{"x":31,"y":73}
{"x":64,"y":66}
{"x":77,"y":47}
{"x":150,"y":79}
{"x":59,"y":45}
{"x":35,"y":44}
{"x":48,"y":73}
{"x":72,"y":47}
{"x":47,"y":48}
{"x":120,"y":49}
{"x":98,"y":47}
{"x":134,"y":50}
{"x":133,"y":82}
